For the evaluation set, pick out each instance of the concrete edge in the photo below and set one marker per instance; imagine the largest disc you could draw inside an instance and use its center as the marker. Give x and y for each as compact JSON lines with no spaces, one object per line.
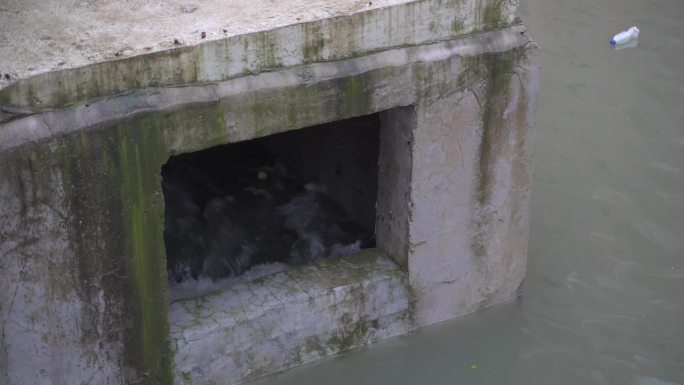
{"x":52,"y":124}
{"x":385,"y":266}
{"x":402,"y":25}
{"x":331,"y":279}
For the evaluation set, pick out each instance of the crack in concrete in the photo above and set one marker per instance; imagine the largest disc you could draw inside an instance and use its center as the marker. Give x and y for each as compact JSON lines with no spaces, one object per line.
{"x":42,"y":116}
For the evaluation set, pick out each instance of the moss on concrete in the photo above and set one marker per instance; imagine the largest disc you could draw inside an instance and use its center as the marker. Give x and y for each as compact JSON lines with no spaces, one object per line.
{"x":67,"y":87}
{"x":141,"y":154}
{"x":112,"y":184}
{"x":492,"y":17}
{"x":355,"y":99}
{"x":321,"y":40}
{"x":314,"y":42}
{"x":457,"y":27}
{"x":314,"y":344}
{"x":351,"y":334}
{"x":113,"y":217}
{"x":268,"y":55}
{"x":366,"y":257}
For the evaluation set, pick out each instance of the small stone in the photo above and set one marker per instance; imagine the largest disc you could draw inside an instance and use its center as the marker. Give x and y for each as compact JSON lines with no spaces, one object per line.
{"x":8,"y":76}
{"x":204,"y":35}
{"x":189,"y":8}
{"x":176,"y":41}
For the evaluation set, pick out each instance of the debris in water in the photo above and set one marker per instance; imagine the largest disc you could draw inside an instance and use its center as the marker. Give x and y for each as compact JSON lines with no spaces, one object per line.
{"x":630,"y":44}
{"x":473,"y":366}
{"x":625,"y":36}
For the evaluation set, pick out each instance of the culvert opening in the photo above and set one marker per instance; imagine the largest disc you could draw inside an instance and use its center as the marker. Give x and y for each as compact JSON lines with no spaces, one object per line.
{"x":282,"y":207}
{"x":261,"y":206}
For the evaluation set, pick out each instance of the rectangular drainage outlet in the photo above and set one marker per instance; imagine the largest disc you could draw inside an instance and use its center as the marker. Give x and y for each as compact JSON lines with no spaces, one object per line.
{"x":277,"y":248}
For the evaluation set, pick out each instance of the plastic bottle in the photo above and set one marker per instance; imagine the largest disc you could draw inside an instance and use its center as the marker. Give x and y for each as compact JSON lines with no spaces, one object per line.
{"x":625,"y":36}
{"x":630,"y":44}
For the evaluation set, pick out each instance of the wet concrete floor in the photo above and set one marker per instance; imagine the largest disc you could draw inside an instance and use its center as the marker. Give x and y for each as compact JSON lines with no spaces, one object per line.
{"x":604,"y":302}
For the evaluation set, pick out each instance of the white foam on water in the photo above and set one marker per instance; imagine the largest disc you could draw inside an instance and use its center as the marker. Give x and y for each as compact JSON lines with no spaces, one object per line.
{"x":192,"y":288}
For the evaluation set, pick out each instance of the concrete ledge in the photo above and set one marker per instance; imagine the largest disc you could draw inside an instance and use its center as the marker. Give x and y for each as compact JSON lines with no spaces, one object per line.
{"x":409,"y":24}
{"x":92,"y":114}
{"x":289,"y":318}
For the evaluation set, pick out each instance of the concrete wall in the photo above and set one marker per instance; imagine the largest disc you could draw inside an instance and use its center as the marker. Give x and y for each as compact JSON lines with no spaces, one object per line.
{"x":83,"y":297}
{"x":394,"y":193}
{"x":469,"y":190}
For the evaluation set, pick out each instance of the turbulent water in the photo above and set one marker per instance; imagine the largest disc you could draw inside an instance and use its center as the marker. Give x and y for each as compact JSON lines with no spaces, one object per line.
{"x":604,"y":302}
{"x":227,"y":211}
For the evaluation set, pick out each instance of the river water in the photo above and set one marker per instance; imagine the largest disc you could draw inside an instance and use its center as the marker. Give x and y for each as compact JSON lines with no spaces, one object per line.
{"x":604,"y":301}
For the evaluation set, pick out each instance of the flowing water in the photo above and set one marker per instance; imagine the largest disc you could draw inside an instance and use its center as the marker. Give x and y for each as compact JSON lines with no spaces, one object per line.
{"x":604,"y":302}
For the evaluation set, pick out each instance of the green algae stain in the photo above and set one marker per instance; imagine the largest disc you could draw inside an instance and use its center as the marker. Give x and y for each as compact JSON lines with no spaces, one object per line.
{"x":113,"y":212}
{"x":313,"y":344}
{"x":314,"y":42}
{"x":354,"y":101}
{"x":492,"y":18}
{"x":457,"y":27}
{"x":141,"y":149}
{"x":352,"y":334}
{"x":267,"y":52}
{"x":112,"y":192}
{"x":140,"y":157}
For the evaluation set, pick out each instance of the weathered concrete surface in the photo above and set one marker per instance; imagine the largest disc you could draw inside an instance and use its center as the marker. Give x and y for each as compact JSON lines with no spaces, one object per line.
{"x":38,"y":36}
{"x":257,"y":327}
{"x":394,"y":187}
{"x":469,"y":227}
{"x":413,"y":23}
{"x":84,"y":294}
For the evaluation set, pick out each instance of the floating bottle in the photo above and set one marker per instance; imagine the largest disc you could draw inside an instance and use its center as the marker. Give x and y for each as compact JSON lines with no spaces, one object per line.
{"x":625,"y":36}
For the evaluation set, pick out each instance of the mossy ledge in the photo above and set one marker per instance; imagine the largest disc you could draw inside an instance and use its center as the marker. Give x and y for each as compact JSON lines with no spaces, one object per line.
{"x":403,"y":25}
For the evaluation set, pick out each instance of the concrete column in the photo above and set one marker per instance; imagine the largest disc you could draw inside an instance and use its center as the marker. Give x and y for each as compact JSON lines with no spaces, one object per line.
{"x":469,"y":191}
